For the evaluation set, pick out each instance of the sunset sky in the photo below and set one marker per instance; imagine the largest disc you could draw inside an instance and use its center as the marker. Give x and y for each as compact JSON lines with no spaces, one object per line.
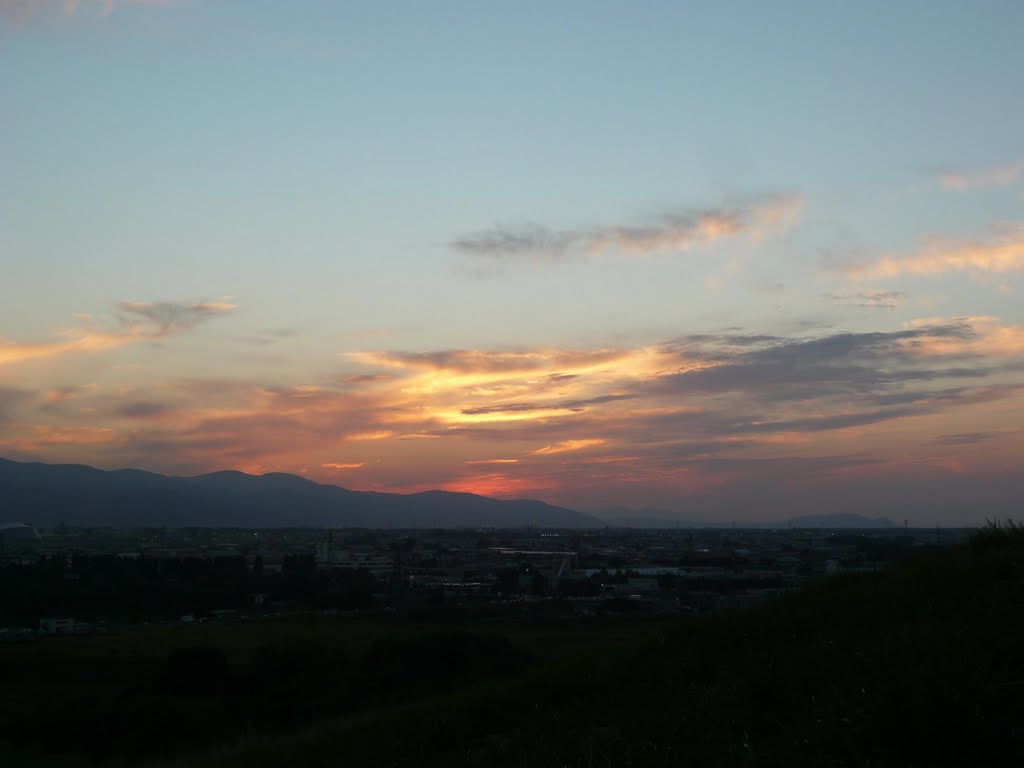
{"x":719,"y":261}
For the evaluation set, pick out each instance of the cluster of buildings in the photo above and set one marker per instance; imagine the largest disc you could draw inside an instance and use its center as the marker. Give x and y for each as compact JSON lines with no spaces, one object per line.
{"x":594,"y":571}
{"x":571,"y":572}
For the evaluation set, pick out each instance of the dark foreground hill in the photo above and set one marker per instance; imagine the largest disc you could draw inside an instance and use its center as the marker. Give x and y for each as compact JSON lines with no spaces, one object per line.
{"x":48,"y":494}
{"x":921,"y":666}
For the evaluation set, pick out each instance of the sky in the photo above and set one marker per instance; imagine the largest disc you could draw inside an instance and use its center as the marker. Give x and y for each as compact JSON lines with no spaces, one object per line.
{"x":703,"y":261}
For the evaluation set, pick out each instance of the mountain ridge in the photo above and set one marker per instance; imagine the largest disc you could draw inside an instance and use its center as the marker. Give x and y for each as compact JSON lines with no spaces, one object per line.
{"x":77,"y":494}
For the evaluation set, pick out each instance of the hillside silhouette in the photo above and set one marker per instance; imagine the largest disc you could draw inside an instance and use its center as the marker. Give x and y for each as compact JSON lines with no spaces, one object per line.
{"x":49,"y":494}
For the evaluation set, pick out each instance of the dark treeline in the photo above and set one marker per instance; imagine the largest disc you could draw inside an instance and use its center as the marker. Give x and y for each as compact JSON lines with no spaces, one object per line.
{"x":149,"y":588}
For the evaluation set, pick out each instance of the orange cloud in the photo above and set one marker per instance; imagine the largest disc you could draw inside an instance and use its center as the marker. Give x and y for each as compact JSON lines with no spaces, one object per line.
{"x":1003,"y":254}
{"x":13,"y":352}
{"x":374,"y":434}
{"x":80,"y":340}
{"x":567,"y":446}
{"x":496,"y":485}
{"x":483,"y":387}
{"x":461,"y":417}
{"x":38,"y":437}
{"x":139,"y":321}
{"x":689,"y":415}
{"x":60,"y":395}
{"x":683,"y":233}
{"x":987,"y":337}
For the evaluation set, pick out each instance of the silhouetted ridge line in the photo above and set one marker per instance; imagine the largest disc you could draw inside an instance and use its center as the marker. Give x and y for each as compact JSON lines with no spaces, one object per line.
{"x":47,"y":494}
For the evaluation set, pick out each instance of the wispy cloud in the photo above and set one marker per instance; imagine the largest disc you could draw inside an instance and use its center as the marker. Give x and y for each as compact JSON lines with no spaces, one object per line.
{"x":870,"y":299}
{"x":963,"y":438}
{"x":701,"y":413}
{"x":163,"y":318}
{"x":565,"y":405}
{"x":137,"y":321}
{"x":372,"y":434}
{"x":532,"y":242}
{"x":981,"y":338}
{"x":839,"y":366}
{"x":568,"y":446}
{"x":1002,"y":253}
{"x":675,"y":232}
{"x":475,"y":361}
{"x":993,"y":176}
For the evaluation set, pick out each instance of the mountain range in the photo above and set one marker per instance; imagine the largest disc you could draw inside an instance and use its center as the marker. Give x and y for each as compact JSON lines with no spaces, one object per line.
{"x":48,"y":494}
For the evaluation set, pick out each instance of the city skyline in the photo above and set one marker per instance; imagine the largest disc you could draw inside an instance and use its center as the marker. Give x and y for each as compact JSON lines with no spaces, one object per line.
{"x":738,"y":263}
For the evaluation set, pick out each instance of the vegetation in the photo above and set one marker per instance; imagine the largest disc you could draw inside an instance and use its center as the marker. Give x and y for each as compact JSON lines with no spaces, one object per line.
{"x":918,"y":666}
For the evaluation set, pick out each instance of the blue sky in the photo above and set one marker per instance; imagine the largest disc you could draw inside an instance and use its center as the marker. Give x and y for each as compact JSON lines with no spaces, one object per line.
{"x":380,"y":207}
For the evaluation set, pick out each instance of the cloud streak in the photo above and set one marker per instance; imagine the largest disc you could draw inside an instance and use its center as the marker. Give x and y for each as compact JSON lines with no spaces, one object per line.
{"x":672,"y":233}
{"x":164,"y":318}
{"x":870,"y":299}
{"x":138,"y":321}
{"x":692,"y":417}
{"x":1002,"y":253}
{"x":569,"y":446}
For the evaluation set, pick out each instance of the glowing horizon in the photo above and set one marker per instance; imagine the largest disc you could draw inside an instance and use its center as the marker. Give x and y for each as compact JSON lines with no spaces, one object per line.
{"x":395,"y":253}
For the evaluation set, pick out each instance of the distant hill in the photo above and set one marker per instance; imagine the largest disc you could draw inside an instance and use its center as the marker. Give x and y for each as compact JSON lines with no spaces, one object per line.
{"x":48,"y":494}
{"x":654,"y":518}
